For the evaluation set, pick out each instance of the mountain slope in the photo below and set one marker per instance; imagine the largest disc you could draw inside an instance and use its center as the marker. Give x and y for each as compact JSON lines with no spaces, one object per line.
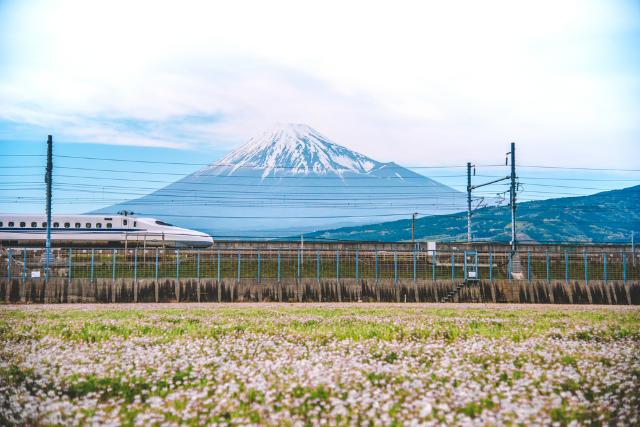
{"x":609,"y":216}
{"x":292,"y":180}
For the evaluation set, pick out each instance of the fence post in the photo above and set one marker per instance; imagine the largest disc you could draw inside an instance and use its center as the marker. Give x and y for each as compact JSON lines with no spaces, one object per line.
{"x":395,"y":267}
{"x":377,"y":272}
{"x":318,"y":275}
{"x":198,"y":275}
{"x":239,"y":261}
{"x":357,"y":272}
{"x":491,"y":266}
{"x":298,"y":271}
{"x":9,"y":256}
{"x":586,"y":268}
{"x":70,"y":263}
{"x":475,"y":266}
{"x":529,"y":266}
{"x":113,"y":276}
{"x":624,"y":267}
{"x":92,"y":264}
{"x":113,"y":265}
{"x":338,"y":287}
{"x":546,"y":254}
{"x":414,"y":264}
{"x":177,"y":264}
{"x":7,"y":289}
{"x":218,"y":285}
{"x":198,"y":265}
{"x":258,"y":266}
{"x":177,"y":287}
{"x":433,"y":265}
{"x":155,"y":284}
{"x":604,"y":259}
{"x":135,"y":275}
{"x":464,"y":266}
{"x":135,"y":264}
{"x":218,"y":272}
{"x":24,"y":267}
{"x":47,"y":266}
{"x":453,"y":268}
{"x":278,"y":266}
{"x":510,"y":267}
{"x":566,"y":267}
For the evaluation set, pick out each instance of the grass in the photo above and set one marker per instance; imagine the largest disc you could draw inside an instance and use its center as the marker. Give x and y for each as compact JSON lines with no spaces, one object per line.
{"x":280,"y":364}
{"x":352,"y":323}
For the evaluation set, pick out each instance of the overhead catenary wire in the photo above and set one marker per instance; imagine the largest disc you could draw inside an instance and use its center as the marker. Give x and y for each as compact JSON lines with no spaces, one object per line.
{"x":430,"y":176}
{"x":398,"y":166}
{"x":248,"y":202}
{"x":214,"y":164}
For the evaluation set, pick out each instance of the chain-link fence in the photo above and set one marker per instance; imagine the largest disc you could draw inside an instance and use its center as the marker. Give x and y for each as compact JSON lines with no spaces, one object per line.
{"x":268,"y":265}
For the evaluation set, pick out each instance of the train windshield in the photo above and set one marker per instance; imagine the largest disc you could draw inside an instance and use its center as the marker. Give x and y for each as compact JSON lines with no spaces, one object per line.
{"x":163,"y":223}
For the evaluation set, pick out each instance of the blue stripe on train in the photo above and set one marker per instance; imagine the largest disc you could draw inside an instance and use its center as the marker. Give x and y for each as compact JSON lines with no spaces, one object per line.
{"x":67,"y":230}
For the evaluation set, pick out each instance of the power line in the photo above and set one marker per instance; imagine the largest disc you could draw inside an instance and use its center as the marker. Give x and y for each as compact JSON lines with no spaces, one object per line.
{"x":233,"y":165}
{"x":214,"y":164}
{"x":23,"y":155}
{"x":578,"y":168}
{"x":430,"y":176}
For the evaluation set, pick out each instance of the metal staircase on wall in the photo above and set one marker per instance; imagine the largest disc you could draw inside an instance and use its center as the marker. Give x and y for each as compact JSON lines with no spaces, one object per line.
{"x":451,"y":295}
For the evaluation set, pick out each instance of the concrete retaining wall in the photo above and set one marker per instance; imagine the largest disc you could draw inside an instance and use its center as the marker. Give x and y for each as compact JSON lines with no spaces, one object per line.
{"x":308,"y":290}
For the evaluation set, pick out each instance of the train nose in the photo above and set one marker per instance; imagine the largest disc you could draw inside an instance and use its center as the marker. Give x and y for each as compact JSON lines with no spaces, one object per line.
{"x":202,"y":239}
{"x":206,"y":238}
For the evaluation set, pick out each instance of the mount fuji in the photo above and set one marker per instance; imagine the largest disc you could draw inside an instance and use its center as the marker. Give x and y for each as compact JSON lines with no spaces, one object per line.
{"x":292,"y":180}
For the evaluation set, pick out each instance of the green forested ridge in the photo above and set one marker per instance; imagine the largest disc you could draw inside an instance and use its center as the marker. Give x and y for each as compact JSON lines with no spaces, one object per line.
{"x":607,"y":217}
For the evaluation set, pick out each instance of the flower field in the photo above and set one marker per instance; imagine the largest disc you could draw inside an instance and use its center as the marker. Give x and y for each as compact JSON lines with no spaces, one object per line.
{"x":319,"y":364}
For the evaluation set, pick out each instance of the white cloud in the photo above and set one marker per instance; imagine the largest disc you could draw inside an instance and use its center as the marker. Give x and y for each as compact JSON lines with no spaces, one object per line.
{"x":415,"y":82}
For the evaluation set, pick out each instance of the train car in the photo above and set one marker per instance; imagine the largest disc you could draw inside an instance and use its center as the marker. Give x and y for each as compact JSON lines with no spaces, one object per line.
{"x":101,"y":230}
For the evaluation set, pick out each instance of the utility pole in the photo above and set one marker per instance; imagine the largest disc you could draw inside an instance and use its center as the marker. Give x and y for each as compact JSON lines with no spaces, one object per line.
{"x":513,"y":197}
{"x":468,"y":202}
{"x":633,"y":247}
{"x":413,"y":227}
{"x":48,"y":178}
{"x":470,"y":189}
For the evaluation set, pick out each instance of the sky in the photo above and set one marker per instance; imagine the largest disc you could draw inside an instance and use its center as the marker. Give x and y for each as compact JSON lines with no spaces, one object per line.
{"x":419,"y":83}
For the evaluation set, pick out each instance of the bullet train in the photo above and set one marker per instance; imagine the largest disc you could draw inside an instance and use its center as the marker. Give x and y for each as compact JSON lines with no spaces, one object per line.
{"x":97,"y":230}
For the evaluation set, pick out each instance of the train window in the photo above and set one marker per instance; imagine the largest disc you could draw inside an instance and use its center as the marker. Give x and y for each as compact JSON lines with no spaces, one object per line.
{"x":23,"y":224}
{"x":67,"y":225}
{"x":44,"y":225}
{"x":11,"y":224}
{"x":124,"y":222}
{"x":56,"y":224}
{"x":98,"y":225}
{"x":88,"y":225}
{"x":34,"y":224}
{"x":78,"y":225}
{"x":108,"y":225}
{"x":163,"y":223}
{"x":135,"y":224}
{"x":1,"y":224}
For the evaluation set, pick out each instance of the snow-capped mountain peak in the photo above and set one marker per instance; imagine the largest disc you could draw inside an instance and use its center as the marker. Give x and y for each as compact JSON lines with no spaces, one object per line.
{"x":295,"y":149}
{"x":341,"y":188}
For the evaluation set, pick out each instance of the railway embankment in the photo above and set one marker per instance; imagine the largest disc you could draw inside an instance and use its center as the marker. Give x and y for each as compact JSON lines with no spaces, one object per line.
{"x":128,"y":290}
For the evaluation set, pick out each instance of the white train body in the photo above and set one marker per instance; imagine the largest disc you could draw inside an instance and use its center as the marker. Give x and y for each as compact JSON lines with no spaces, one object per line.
{"x":98,"y":229}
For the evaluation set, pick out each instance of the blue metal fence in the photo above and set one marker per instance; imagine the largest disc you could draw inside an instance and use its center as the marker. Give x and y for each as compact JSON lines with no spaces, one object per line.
{"x":265,"y":264}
